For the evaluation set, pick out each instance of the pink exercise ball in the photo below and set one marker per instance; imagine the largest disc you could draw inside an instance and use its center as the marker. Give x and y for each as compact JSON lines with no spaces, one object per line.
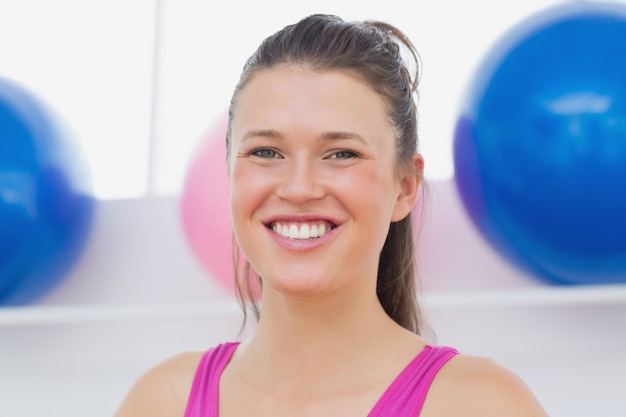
{"x":205,"y":206}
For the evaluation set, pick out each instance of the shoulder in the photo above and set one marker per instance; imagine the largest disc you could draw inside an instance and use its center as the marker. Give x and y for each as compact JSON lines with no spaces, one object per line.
{"x":163,"y":390}
{"x":473,"y":386}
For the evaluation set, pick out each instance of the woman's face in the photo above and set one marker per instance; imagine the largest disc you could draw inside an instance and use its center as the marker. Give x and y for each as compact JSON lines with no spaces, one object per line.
{"x":313,"y":184}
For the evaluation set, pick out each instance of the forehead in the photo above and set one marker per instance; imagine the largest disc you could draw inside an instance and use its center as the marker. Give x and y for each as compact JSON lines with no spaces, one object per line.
{"x":326,"y":99}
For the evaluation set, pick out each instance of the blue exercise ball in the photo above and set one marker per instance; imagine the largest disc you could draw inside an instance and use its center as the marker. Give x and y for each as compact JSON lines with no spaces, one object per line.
{"x":540,"y":145}
{"x":46,"y":206}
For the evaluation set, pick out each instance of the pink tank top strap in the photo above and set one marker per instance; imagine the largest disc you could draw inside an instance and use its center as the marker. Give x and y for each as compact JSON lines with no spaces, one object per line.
{"x":404,"y":397}
{"x":204,"y":395}
{"x":406,"y":394}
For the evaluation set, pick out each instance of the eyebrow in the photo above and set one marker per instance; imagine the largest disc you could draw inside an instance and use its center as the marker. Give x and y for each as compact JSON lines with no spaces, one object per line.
{"x":329,"y":136}
{"x":326,"y":136}
{"x":264,"y":133}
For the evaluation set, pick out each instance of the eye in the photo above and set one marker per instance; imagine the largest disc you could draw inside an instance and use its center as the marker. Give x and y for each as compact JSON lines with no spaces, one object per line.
{"x":265,"y":153}
{"x":343,"y":154}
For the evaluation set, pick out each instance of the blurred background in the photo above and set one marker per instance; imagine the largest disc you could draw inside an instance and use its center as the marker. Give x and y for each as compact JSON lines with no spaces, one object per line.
{"x":141,"y":86}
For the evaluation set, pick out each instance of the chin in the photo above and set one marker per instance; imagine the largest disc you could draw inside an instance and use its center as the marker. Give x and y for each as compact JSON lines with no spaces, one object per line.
{"x":299,"y":285}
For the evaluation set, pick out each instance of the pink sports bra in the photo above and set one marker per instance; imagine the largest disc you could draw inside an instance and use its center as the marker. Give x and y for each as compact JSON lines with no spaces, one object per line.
{"x":404,"y":397}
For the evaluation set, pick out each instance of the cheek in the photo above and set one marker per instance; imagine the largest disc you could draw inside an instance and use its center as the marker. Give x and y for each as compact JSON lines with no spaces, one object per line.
{"x":248,"y":189}
{"x":240,"y":209}
{"x":239,"y":194}
{"x":372,"y":187}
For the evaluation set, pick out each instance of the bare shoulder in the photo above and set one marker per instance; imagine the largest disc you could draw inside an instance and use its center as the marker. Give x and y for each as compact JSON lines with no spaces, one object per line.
{"x":163,"y":390}
{"x":471,"y":386}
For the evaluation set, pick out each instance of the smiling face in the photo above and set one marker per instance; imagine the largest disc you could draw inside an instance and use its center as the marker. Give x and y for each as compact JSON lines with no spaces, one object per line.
{"x":313,"y":184}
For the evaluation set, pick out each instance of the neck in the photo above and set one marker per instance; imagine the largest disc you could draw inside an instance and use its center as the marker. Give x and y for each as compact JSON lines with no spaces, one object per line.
{"x":309,"y":335}
{"x":346,"y":341}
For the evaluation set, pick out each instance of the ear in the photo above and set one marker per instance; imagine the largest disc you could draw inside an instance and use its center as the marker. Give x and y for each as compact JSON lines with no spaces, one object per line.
{"x":410,"y":182}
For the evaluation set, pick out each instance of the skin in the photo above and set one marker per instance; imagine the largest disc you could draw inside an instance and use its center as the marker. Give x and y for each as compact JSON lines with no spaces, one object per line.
{"x":310,"y":146}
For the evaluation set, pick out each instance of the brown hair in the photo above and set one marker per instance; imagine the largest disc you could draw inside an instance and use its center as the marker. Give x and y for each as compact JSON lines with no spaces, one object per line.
{"x":371,"y":51}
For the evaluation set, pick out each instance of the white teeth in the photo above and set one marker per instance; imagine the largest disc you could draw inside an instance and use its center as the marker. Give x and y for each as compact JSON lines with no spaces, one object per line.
{"x":300,"y":231}
{"x":305,"y":232}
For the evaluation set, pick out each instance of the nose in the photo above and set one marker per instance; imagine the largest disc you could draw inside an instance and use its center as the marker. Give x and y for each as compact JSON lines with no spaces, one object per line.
{"x":302,"y":182}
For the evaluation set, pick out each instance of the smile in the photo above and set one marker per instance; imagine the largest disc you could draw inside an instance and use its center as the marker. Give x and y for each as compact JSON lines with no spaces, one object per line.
{"x":302,"y":230}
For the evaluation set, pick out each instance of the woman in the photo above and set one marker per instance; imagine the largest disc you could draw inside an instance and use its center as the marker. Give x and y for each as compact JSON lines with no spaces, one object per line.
{"x":324,"y":169}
